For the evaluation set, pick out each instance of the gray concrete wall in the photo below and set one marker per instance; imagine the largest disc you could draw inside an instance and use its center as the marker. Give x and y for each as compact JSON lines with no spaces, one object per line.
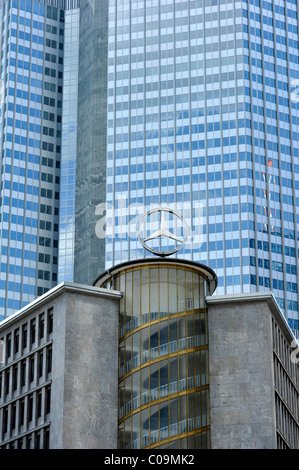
{"x":84,"y":392}
{"x":89,"y":259}
{"x":241,"y":374}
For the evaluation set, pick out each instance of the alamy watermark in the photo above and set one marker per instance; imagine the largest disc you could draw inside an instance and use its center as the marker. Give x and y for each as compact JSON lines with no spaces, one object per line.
{"x":2,"y":352}
{"x":295,"y":93}
{"x":2,"y":92}
{"x":121,"y":220}
{"x":295,"y":343}
{"x":295,"y":353}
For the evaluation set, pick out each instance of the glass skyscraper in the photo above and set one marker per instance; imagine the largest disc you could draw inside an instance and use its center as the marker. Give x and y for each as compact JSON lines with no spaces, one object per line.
{"x":69,"y":146}
{"x":115,"y":107}
{"x":202,"y":113}
{"x":32,"y":49}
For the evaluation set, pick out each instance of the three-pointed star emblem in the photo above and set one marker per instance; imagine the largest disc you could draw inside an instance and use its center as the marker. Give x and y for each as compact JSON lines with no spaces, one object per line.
{"x":163,"y":231}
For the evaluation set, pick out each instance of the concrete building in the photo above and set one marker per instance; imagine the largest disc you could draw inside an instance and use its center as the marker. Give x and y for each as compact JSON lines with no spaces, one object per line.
{"x":149,"y":358}
{"x":254,"y":374}
{"x":57,"y":350}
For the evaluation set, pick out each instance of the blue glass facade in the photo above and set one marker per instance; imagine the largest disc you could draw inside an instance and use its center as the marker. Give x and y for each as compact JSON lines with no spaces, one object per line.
{"x":202,"y":118}
{"x":30,"y":139}
{"x":69,"y":147}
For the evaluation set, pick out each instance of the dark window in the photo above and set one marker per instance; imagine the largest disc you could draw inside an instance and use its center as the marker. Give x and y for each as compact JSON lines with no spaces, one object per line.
{"x":48,"y":400}
{"x":32,"y":331}
{"x":7,"y":381}
{"x":8,"y":345}
{"x":30,"y":409}
{"x":13,"y":416}
{"x":49,"y":360}
{"x":40,"y":364}
{"x":23,"y":373}
{"x":31,"y":369}
{"x":39,"y":404}
{"x":15,"y":378}
{"x":22,"y":413}
{"x":5,"y":420}
{"x":16,"y":341}
{"x":50,"y":321}
{"x":41,"y":326}
{"x":24,"y":336}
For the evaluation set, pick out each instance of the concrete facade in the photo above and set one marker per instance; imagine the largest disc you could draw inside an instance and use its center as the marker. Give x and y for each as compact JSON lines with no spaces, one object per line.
{"x":243,"y":385}
{"x":89,"y":257}
{"x":83,"y":377}
{"x":59,"y":380}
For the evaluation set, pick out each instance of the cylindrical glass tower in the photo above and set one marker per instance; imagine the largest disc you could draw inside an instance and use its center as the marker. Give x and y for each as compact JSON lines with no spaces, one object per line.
{"x":163,"y":352}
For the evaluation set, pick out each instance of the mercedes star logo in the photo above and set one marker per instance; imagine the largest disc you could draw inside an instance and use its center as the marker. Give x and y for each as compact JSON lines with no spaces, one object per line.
{"x":163,"y":231}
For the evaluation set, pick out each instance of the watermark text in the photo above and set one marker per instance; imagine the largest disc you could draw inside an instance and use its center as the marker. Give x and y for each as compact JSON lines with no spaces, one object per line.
{"x":121,"y":220}
{"x":295,"y":93}
{"x":2,"y":352}
{"x":295,"y":353}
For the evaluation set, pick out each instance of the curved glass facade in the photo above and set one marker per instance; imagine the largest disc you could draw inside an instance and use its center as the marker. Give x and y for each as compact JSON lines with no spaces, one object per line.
{"x":163,"y":355}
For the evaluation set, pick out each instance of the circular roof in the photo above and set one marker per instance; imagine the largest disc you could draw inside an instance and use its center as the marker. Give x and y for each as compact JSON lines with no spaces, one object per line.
{"x":203,"y":270}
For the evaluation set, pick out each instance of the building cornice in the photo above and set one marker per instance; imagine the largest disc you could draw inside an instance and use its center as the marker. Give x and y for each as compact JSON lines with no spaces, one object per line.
{"x":58,"y":290}
{"x":266,"y":296}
